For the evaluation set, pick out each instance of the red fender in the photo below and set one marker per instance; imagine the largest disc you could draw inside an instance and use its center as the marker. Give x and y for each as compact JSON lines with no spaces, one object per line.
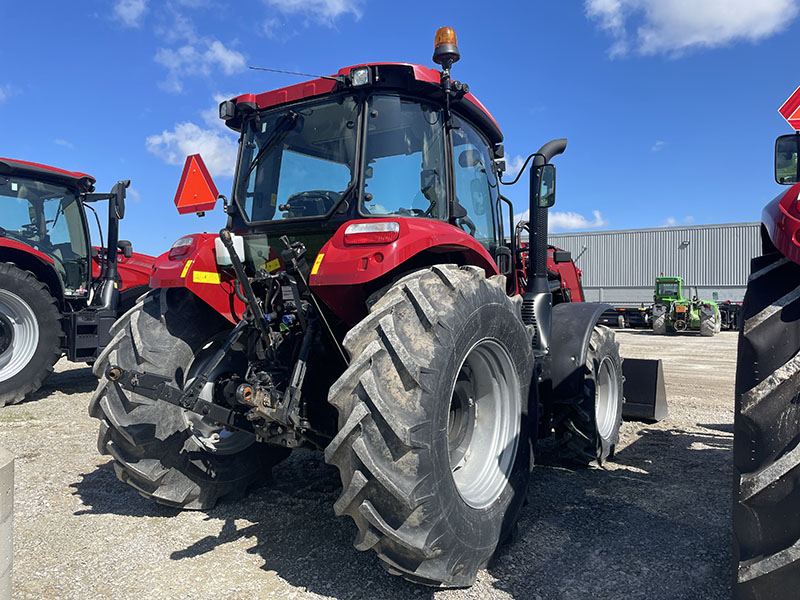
{"x":197,"y":270}
{"x":341,"y":270}
{"x":781,"y":218}
{"x":9,"y":243}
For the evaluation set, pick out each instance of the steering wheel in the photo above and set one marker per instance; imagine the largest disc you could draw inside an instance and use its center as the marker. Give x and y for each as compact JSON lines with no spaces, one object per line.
{"x":461,"y":221}
{"x":414,"y":212}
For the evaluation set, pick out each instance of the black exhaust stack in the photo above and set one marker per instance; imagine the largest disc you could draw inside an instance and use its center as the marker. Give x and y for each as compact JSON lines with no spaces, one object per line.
{"x":109,"y":291}
{"x":537,"y":300}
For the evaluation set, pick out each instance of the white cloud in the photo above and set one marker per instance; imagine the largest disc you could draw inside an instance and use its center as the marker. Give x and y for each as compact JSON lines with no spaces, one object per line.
{"x":65,"y":143}
{"x":321,"y":11}
{"x":675,"y":26}
{"x":3,"y":93}
{"x":513,"y":167}
{"x":130,"y":12}
{"x":658,"y":146}
{"x":217,"y":148}
{"x":215,"y":142}
{"x":669,"y":222}
{"x":6,"y":91}
{"x":133,"y":195}
{"x":192,"y":60}
{"x":568,"y":220}
{"x":688,"y":219}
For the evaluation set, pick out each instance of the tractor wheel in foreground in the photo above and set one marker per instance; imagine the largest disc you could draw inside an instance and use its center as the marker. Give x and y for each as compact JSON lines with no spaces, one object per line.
{"x":587,"y":432}
{"x":708,"y":321}
{"x":174,"y":456}
{"x":433,"y":446}
{"x":660,"y":324}
{"x":30,"y":333}
{"x":766,"y":453}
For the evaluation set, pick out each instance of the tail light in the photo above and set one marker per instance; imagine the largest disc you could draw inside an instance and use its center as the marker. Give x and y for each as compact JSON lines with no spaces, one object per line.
{"x":182,"y":247}
{"x":382,"y":232}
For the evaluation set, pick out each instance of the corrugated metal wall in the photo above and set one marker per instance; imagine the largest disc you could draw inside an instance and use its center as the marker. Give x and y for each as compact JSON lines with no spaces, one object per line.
{"x":621,"y":266}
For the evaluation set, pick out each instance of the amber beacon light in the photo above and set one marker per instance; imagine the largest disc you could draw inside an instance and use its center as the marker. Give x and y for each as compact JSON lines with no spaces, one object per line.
{"x":445,"y":50}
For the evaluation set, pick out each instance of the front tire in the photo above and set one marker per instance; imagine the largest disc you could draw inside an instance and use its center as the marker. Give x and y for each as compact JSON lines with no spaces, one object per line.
{"x":30,"y":334}
{"x":175,"y":457}
{"x":588,"y":431}
{"x":433,"y":446}
{"x":766,"y":450}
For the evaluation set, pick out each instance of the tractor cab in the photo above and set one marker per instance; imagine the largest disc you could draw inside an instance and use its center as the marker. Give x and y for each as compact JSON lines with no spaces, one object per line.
{"x":374,"y":143}
{"x":46,"y":216}
{"x":668,"y":289}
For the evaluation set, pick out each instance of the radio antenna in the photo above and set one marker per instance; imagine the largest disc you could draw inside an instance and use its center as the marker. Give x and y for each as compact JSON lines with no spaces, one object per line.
{"x":295,"y":73}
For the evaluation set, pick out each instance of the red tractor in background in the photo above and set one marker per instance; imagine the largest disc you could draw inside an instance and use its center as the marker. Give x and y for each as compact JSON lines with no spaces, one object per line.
{"x":364,"y":300}
{"x":58,"y":294}
{"x":766,"y":449}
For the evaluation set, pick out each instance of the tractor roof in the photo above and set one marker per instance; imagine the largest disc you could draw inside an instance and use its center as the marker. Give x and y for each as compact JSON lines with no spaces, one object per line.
{"x":74,"y":179}
{"x":416,"y":79}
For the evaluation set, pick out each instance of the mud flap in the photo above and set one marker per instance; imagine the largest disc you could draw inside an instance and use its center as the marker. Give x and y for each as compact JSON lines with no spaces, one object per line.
{"x":644,"y":391}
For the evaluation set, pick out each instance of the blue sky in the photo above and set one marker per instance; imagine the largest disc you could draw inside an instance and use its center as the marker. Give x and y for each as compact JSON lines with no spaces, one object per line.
{"x":670,"y":106}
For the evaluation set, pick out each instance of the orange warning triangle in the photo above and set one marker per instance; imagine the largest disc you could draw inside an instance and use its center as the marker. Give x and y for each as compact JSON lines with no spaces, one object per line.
{"x":196,"y":191}
{"x":791,"y":110}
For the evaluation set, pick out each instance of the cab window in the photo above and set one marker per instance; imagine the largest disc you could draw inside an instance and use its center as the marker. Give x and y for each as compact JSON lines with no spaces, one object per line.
{"x":475,"y":210}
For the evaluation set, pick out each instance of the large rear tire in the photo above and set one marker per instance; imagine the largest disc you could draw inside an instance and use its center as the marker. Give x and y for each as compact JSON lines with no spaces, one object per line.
{"x":433,"y":446}
{"x":587,"y":432}
{"x":30,"y":333}
{"x":708,"y":321}
{"x":660,"y":324}
{"x":766,"y":448}
{"x":168,"y":454}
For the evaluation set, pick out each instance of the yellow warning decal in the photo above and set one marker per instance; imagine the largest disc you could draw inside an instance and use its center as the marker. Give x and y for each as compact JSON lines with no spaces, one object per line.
{"x":317,"y":263}
{"x":273,"y":265}
{"x":186,"y":268}
{"x":273,"y":199}
{"x":206,"y":277}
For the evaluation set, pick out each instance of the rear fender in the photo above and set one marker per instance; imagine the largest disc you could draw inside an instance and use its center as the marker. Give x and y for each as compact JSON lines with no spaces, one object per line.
{"x":197,"y":271}
{"x":38,"y":263}
{"x":571,"y":331}
{"x":781,"y":219}
{"x":344,"y":275}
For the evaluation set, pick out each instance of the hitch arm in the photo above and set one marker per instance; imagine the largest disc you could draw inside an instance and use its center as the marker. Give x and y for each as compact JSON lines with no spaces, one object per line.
{"x":157,"y":387}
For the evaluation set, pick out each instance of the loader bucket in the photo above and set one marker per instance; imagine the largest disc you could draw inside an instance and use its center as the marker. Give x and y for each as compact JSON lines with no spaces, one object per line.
{"x":645,"y":395}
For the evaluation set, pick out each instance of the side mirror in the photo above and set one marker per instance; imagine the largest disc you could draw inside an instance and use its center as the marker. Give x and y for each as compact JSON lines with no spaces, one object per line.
{"x":562,"y":256}
{"x":118,"y":197}
{"x":126,"y":247}
{"x":787,"y":170}
{"x":196,"y":190}
{"x":546,"y":194}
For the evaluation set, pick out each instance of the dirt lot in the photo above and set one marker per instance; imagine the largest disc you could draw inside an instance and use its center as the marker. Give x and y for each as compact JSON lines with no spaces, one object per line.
{"x":654,"y":524}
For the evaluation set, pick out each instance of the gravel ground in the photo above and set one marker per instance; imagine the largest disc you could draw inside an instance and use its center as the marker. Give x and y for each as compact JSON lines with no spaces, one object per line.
{"x":654,"y":524}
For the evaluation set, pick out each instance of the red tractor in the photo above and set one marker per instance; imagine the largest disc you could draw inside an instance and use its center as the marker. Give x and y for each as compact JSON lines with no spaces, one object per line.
{"x":58,"y":294}
{"x":364,"y":300}
{"x":766,"y":449}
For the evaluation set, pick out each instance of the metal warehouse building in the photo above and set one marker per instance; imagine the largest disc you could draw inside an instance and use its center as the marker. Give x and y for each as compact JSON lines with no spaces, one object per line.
{"x":621,"y":266}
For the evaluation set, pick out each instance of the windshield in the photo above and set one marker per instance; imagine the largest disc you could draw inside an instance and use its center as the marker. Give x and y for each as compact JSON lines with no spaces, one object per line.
{"x":668,"y":289}
{"x":297,"y":162}
{"x":405,"y":161}
{"x":47,"y":217}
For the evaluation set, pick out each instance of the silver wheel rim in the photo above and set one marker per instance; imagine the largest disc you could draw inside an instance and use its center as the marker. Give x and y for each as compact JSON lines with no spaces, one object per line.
{"x":210,"y":435}
{"x":606,"y":398}
{"x":24,"y":334}
{"x":484,"y":423}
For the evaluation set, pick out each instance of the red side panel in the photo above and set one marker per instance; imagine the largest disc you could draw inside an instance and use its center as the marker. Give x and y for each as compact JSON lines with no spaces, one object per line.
{"x":135,"y":271}
{"x":340,"y":270}
{"x":9,"y":243}
{"x":570,"y":276}
{"x":198,"y":272}
{"x":781,"y":217}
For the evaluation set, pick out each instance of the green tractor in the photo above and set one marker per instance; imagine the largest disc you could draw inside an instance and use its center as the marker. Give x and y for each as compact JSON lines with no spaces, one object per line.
{"x":674,"y":313}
